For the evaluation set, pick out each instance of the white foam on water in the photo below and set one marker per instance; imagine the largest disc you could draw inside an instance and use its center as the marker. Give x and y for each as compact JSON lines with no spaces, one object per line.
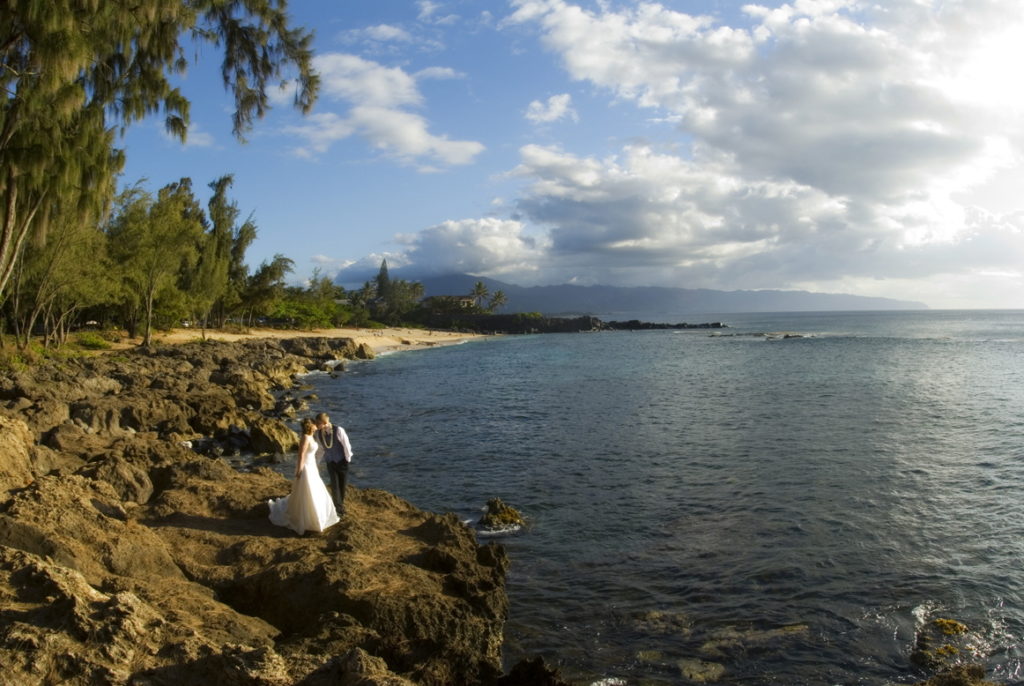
{"x":511,"y":529}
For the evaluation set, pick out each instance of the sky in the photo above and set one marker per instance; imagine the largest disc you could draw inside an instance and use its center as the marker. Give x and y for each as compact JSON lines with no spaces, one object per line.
{"x":839,"y":146}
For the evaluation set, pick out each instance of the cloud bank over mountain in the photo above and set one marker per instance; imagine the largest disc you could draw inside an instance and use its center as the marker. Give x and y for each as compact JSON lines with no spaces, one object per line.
{"x":821,"y":145}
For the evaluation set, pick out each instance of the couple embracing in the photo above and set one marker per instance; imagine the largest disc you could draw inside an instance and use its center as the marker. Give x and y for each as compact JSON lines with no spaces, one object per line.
{"x":310,"y":507}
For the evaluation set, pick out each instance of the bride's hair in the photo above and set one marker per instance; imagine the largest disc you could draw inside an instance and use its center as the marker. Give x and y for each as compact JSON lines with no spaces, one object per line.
{"x":308,"y":426}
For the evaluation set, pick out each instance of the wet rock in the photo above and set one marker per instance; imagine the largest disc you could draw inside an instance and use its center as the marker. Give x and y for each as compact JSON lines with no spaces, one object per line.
{"x":961,"y":675}
{"x":533,"y":672}
{"x":944,"y":643}
{"x":731,"y":641}
{"x":662,"y":623}
{"x":701,"y":671}
{"x":500,"y":517}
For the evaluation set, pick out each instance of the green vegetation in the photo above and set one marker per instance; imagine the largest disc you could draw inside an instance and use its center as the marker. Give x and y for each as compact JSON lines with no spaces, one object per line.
{"x":75,"y":73}
{"x":74,"y":250}
{"x":92,"y":341}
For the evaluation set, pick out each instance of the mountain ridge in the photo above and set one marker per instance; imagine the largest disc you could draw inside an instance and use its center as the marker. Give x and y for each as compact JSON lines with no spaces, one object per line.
{"x":608,"y":300}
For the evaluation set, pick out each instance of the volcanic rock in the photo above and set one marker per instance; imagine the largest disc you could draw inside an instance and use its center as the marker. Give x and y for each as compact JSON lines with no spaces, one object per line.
{"x":126,"y":557}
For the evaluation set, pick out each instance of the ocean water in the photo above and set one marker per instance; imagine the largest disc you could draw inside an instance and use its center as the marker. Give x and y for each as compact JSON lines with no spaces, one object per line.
{"x":778,"y":510}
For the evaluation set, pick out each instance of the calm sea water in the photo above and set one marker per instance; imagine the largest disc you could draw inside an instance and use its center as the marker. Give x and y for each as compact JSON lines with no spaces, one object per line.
{"x":788,"y":510}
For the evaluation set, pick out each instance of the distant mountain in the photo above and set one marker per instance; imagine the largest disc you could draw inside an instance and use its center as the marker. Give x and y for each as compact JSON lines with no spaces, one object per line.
{"x":612,"y":301}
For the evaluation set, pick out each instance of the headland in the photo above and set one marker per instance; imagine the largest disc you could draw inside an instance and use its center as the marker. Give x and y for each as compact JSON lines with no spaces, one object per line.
{"x":126,"y":557}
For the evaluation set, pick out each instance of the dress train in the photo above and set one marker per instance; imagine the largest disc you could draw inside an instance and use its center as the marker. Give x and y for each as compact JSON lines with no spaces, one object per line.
{"x":309,"y":506}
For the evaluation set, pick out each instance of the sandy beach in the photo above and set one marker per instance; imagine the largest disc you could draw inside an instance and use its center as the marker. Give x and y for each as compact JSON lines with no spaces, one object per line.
{"x":380,"y":340}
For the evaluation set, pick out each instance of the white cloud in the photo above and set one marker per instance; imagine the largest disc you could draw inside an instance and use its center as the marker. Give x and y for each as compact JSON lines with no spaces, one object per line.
{"x":199,"y":138}
{"x":439,"y":73}
{"x":349,"y":77}
{"x":389,"y":39}
{"x":356,"y":272}
{"x":557,"y":107}
{"x":387,"y":33}
{"x":827,"y":140}
{"x":430,"y":12}
{"x":321,"y":130}
{"x":831,"y":145}
{"x":474,"y":246}
{"x":379,"y":100}
{"x":406,"y":136}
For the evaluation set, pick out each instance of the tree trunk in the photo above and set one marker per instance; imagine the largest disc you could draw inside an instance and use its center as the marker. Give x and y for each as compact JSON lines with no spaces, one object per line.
{"x":14,"y":230}
{"x":147,"y":336}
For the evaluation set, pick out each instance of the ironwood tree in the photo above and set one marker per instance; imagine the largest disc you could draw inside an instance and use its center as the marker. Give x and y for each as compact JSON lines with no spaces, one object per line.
{"x":73,"y":73}
{"x":154,"y":242}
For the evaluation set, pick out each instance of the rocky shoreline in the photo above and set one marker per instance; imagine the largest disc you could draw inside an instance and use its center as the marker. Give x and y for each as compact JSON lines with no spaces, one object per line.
{"x":129,"y":558}
{"x":126,"y":557}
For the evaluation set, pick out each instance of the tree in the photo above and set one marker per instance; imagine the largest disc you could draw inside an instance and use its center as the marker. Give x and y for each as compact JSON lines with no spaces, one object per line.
{"x":216,"y":284}
{"x":69,"y":273}
{"x":497,"y":301}
{"x":479,"y":293}
{"x":314,"y":306}
{"x":383,"y":281}
{"x":238,"y":271}
{"x":153,"y":242}
{"x":387,"y":300}
{"x":266,"y":287}
{"x":73,"y":71}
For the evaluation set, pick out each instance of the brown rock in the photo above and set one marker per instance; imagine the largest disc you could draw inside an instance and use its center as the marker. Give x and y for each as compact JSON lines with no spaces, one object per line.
{"x":364,"y":352}
{"x":129,"y":558}
{"x":130,"y":481}
{"x":267,"y":435}
{"x":15,"y":462}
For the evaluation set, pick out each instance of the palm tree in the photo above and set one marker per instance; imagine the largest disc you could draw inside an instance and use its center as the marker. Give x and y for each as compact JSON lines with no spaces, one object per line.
{"x":479,"y":293}
{"x":498,"y":300}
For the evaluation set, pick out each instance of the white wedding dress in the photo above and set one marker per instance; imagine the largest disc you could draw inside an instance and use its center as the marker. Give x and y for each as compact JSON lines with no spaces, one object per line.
{"x":309,"y":507}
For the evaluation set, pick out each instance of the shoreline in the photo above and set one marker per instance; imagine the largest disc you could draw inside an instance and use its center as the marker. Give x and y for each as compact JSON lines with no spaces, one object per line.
{"x":381,"y":341}
{"x":169,"y":557}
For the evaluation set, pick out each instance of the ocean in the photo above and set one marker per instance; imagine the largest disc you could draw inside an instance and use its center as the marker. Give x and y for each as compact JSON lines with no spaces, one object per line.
{"x":784,"y":501}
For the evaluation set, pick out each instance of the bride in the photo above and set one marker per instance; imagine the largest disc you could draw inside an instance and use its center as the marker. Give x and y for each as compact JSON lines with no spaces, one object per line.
{"x":309,"y":507}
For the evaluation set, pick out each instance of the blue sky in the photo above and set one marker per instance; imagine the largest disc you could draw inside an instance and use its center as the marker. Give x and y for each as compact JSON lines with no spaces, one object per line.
{"x":872,"y":148}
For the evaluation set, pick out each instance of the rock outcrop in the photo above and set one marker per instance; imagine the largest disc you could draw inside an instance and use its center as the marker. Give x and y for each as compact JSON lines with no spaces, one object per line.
{"x":128,"y":558}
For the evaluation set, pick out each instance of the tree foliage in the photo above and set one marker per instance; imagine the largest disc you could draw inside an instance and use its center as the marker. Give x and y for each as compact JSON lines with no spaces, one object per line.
{"x":72,"y":72}
{"x":68,"y":274}
{"x":318,"y":305}
{"x":153,"y":242}
{"x":388,"y":300}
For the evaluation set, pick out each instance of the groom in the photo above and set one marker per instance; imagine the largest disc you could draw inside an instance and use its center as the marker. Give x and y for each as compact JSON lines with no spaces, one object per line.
{"x":336,"y":452}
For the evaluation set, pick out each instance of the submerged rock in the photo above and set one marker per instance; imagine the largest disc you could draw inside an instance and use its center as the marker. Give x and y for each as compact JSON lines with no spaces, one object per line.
{"x":533,"y":672}
{"x":961,"y":675}
{"x":730,"y":641}
{"x":701,"y":671}
{"x":942,"y":643}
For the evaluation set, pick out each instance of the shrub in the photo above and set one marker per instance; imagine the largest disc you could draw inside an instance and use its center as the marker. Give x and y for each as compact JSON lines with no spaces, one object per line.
{"x":91,"y":340}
